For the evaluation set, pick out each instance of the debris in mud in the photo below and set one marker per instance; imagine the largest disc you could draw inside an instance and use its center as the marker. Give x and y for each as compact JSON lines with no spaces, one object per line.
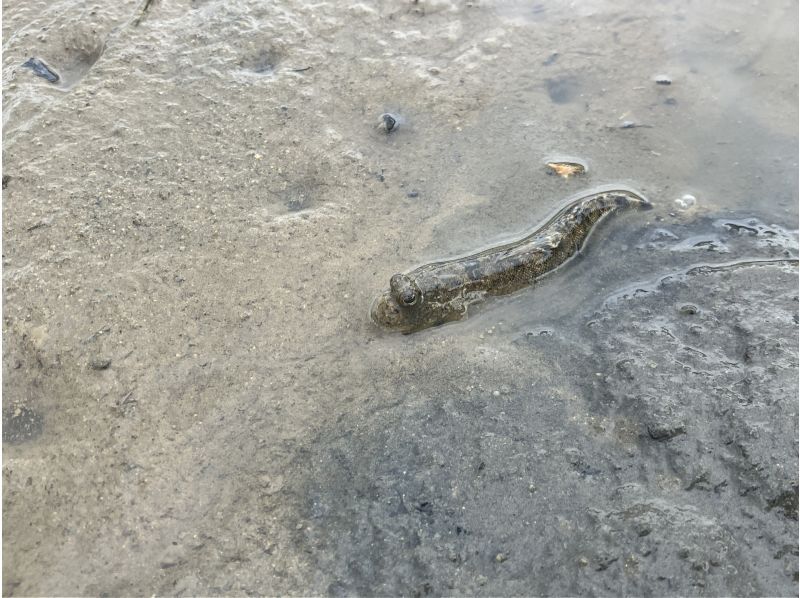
{"x":39,"y":224}
{"x":100,"y":363}
{"x":6,"y":180}
{"x":565,"y":169}
{"x":40,"y":69}
{"x":146,"y":5}
{"x":551,"y":59}
{"x":630,"y":124}
{"x":389,"y":122}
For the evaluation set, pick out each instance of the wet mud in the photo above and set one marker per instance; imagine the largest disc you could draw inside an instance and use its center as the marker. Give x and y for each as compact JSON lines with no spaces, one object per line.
{"x":198,"y":214}
{"x":668,"y":449}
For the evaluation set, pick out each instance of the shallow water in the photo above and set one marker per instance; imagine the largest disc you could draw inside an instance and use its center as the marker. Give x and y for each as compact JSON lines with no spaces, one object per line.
{"x":206,"y":200}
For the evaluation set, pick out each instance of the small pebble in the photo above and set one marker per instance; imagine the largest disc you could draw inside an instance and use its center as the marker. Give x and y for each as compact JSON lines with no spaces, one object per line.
{"x":662,"y":80}
{"x":412,"y":194}
{"x":389,"y":122}
{"x":500,"y":558}
{"x":689,"y":309}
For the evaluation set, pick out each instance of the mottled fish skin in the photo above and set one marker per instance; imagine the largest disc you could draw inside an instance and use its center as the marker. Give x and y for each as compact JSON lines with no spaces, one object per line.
{"x":41,"y":69}
{"x":441,"y":292}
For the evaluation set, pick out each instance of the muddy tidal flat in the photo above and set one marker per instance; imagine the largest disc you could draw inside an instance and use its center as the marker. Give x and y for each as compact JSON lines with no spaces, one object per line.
{"x":203,"y":198}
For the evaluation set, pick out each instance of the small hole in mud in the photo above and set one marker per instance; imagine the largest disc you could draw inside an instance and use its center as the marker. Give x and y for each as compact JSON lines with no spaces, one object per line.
{"x":262,"y":62}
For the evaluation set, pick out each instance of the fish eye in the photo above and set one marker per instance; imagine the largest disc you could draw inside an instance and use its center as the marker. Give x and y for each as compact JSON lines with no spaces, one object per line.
{"x":408,"y":297}
{"x":404,"y":290}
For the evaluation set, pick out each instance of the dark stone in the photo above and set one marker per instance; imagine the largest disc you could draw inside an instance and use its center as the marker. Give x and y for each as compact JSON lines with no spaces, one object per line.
{"x":389,"y":122}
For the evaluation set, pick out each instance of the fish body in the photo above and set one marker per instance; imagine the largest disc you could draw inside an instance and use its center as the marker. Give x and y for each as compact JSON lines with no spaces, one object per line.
{"x":441,"y":292}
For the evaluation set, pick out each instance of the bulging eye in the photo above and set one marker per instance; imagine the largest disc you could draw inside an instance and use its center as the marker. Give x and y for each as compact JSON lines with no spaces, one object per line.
{"x":408,"y":297}
{"x":404,"y":290}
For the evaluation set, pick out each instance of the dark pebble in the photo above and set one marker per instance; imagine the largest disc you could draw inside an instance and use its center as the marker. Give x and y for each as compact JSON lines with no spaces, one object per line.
{"x":100,"y":363}
{"x":412,"y":194}
{"x":663,"y":80}
{"x":6,"y":179}
{"x":389,"y":122}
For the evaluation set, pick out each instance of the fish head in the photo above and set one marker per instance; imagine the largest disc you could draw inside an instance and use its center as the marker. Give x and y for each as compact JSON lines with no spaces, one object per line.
{"x":403,"y":308}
